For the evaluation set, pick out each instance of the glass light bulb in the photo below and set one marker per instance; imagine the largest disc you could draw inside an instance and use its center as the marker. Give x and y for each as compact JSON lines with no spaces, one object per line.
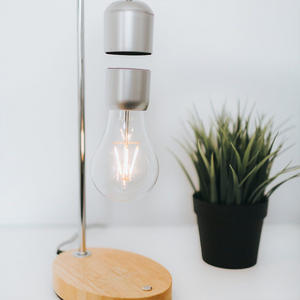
{"x":125,"y":167}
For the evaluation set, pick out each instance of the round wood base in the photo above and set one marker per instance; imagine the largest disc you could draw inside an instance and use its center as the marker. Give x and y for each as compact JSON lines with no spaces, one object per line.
{"x":110,"y":274}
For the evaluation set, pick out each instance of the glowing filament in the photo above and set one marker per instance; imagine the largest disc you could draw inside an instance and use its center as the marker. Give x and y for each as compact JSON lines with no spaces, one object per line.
{"x":125,"y":172}
{"x":118,"y":160}
{"x":124,"y":167}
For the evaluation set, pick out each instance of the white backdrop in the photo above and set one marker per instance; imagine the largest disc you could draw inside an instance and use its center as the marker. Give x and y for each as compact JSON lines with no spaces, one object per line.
{"x":216,"y":49}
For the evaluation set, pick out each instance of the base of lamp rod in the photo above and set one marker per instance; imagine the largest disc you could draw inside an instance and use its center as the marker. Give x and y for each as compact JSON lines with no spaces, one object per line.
{"x":110,"y":274}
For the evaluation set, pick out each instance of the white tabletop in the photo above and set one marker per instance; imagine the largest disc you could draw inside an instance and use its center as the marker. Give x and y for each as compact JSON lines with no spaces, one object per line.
{"x":26,"y":256}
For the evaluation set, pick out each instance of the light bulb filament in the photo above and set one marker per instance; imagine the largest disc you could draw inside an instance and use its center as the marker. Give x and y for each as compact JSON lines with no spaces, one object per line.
{"x":118,"y":161}
{"x":125,"y":172}
{"x":125,"y":168}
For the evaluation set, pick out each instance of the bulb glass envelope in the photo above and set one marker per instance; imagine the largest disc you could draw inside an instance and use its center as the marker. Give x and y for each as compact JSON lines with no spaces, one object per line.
{"x":128,"y":28}
{"x":125,"y":167}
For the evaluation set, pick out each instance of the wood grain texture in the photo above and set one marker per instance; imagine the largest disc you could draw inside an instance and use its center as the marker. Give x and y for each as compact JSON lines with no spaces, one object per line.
{"x":110,"y":274}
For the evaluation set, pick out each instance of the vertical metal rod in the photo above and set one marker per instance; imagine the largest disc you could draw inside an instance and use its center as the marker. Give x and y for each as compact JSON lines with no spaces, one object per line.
{"x":80,"y":31}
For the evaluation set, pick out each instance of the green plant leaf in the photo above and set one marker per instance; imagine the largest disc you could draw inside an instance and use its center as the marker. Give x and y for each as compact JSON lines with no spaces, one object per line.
{"x":247,"y":176}
{"x":236,"y":187}
{"x":206,"y":163}
{"x":286,"y":149}
{"x":224,"y":177}
{"x":260,"y":189}
{"x":272,"y":190}
{"x":271,"y":146}
{"x":238,"y":159}
{"x":253,"y":158}
{"x":291,"y":169}
{"x":213,"y":186}
{"x":247,"y":154}
{"x":251,"y":179}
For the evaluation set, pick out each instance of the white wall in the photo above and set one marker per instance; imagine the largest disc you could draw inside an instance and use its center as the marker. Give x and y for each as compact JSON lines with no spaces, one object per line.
{"x":202,"y":49}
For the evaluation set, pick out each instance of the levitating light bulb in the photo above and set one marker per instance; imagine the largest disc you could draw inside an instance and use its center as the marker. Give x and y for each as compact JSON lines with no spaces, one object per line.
{"x":124,"y":167}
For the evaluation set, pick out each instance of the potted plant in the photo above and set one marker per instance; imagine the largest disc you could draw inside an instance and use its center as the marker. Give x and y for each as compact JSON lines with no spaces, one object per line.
{"x":233,"y":165}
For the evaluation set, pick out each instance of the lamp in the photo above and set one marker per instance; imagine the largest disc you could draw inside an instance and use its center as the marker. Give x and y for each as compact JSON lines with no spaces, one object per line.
{"x":124,"y":167}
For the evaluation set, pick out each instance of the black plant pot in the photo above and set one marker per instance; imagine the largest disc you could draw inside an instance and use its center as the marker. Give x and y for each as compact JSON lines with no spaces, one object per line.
{"x":230,"y":234}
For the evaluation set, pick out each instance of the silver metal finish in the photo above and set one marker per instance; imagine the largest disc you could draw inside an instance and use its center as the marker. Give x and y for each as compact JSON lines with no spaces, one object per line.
{"x":147,"y":288}
{"x":82,"y":230}
{"x":127,"y":89}
{"x":128,"y":28}
{"x":80,"y":255}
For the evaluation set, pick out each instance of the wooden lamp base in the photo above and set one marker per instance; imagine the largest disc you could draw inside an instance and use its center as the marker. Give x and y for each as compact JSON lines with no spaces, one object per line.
{"x":110,"y":274}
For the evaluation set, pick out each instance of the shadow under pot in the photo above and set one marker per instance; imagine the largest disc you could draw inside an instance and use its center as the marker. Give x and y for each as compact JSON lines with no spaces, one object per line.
{"x":230,"y":234}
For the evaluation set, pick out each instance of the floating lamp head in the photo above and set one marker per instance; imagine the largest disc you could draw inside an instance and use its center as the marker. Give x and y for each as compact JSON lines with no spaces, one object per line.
{"x":124,"y":167}
{"x":128,"y":28}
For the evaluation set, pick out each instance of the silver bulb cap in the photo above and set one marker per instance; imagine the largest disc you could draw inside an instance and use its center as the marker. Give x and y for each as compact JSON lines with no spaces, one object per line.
{"x":127,"y":89}
{"x":128,"y":28}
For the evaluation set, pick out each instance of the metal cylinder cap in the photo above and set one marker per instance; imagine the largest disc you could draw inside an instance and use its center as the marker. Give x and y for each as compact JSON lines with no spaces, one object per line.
{"x":128,"y":28}
{"x":127,"y":89}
